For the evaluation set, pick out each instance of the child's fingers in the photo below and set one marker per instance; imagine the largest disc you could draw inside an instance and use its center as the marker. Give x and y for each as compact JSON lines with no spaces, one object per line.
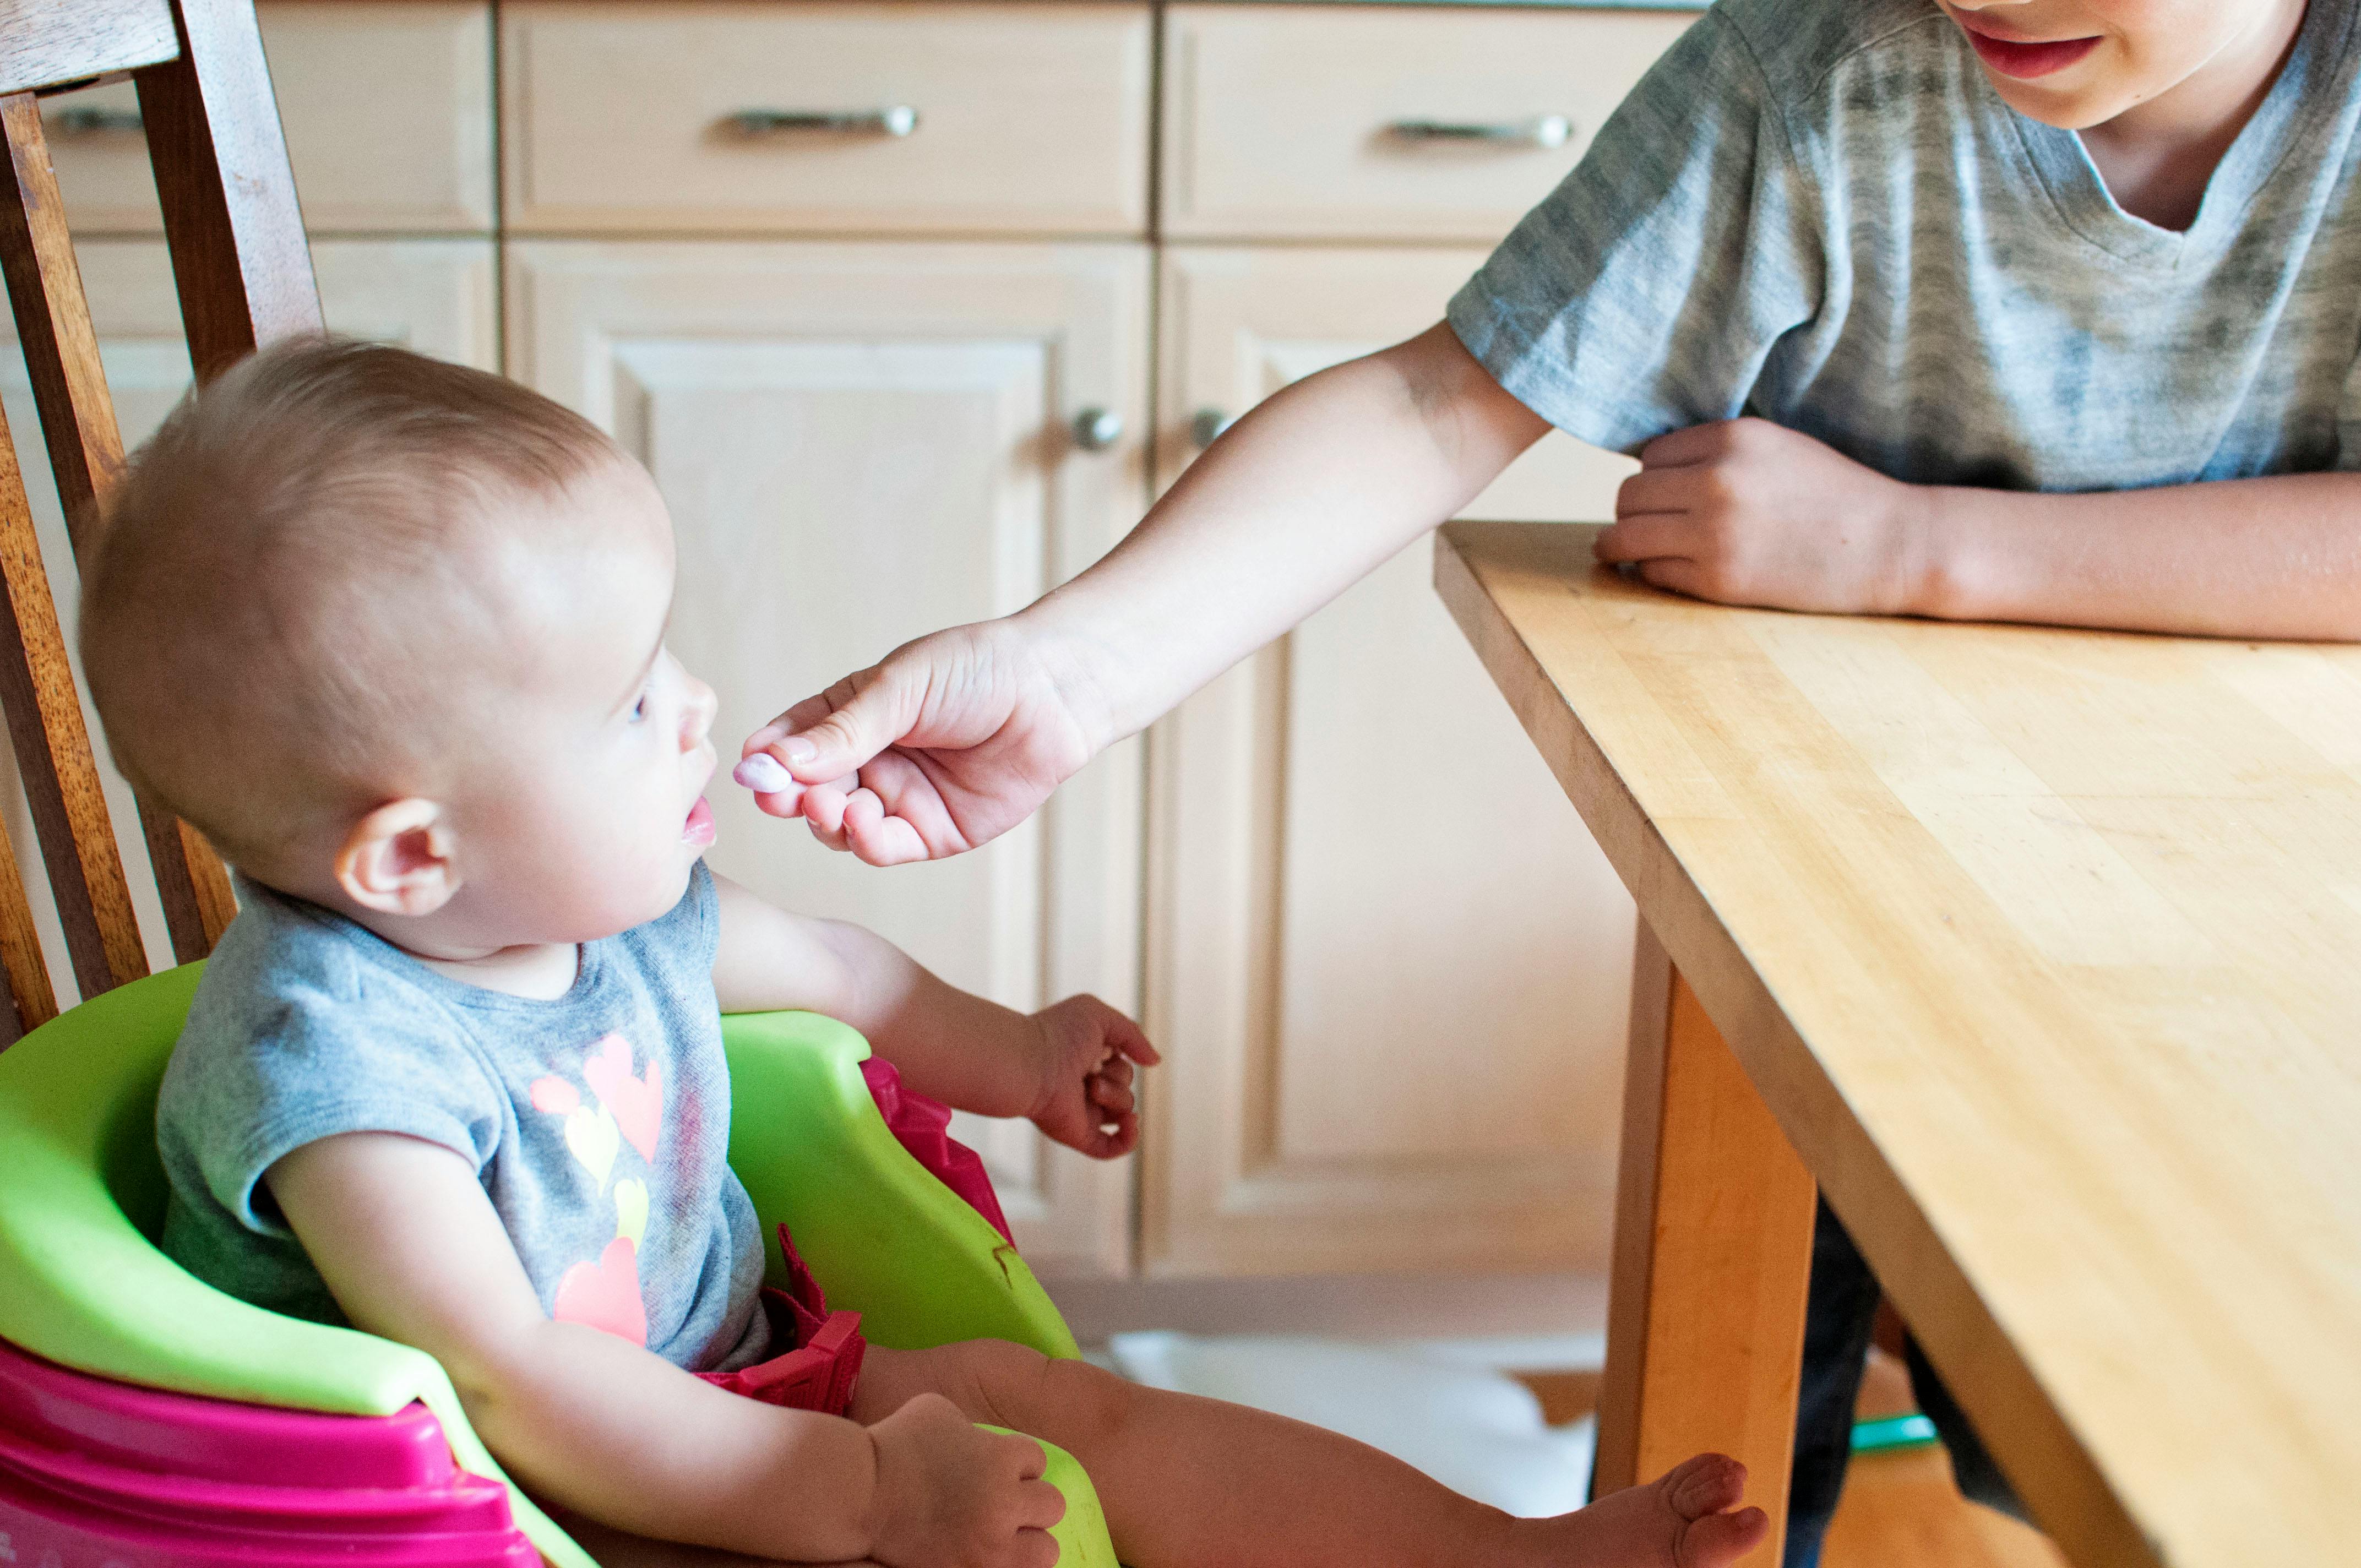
{"x":1680,"y":576}
{"x":808,"y":712}
{"x":1114,"y":1140}
{"x":1686,"y":448}
{"x":1655,"y":490}
{"x":1657,"y":536}
{"x":822,"y":807}
{"x":1125,"y":1037}
{"x":875,"y":836}
{"x":1110,"y":1096}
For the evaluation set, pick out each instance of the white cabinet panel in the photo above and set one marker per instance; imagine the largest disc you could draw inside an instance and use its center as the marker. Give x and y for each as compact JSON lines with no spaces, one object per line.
{"x":1390,"y":970}
{"x":861,"y":444}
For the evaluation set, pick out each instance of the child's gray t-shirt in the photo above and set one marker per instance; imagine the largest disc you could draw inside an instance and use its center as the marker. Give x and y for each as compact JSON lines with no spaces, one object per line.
{"x":599,"y":1121}
{"x":1821,"y":212}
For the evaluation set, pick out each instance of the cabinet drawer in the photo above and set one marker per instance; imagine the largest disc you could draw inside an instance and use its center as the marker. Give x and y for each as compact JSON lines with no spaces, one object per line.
{"x":388,"y":110}
{"x":1383,"y":139}
{"x":953,"y":118}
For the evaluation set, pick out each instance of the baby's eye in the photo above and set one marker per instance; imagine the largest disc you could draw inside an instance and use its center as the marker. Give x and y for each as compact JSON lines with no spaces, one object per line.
{"x":640,"y":708}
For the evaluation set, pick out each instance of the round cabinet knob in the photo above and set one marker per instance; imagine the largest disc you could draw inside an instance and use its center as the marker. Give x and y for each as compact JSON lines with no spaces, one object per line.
{"x":1205,"y":426}
{"x":1095,"y":430}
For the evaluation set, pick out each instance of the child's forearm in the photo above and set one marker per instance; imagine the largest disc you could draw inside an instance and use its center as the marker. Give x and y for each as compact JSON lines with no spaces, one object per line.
{"x":1307,"y":494}
{"x":595,"y":1423}
{"x":2275,"y":558}
{"x":951,"y":1045}
{"x":406,"y":1237}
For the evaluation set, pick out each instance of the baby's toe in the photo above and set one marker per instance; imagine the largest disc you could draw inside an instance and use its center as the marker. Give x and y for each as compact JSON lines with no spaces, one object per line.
{"x":1705,"y":1485}
{"x":1719,"y":1539}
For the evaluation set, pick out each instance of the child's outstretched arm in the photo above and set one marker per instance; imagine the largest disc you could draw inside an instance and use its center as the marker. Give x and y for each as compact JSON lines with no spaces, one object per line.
{"x":1069,"y":1066}
{"x":1303,"y":497}
{"x":1748,"y":512}
{"x":409,"y":1245}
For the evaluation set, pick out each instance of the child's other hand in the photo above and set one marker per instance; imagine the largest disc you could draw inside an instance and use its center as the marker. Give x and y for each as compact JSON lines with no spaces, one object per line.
{"x":950,"y":1495}
{"x":1086,"y":1101}
{"x":1745,"y":512}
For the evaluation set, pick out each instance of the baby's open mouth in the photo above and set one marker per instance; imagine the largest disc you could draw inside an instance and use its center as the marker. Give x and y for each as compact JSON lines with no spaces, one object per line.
{"x":698,"y":828}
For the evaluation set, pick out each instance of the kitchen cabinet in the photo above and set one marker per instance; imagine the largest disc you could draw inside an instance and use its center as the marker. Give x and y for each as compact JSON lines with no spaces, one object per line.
{"x":1390,"y":974}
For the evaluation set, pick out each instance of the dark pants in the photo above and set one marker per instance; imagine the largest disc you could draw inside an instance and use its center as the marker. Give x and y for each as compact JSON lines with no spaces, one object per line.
{"x":1836,"y":1325}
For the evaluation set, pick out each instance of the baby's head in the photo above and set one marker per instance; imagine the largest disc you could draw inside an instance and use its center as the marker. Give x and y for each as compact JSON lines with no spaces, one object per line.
{"x":389,"y":632}
{"x":2079,"y":63}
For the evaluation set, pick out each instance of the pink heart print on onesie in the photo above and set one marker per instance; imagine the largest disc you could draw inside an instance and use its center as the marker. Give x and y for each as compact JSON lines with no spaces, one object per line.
{"x":604,"y":1293}
{"x":638,"y":1103}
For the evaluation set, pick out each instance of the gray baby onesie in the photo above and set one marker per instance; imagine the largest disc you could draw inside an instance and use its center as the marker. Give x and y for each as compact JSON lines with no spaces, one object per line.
{"x":599,"y":1122}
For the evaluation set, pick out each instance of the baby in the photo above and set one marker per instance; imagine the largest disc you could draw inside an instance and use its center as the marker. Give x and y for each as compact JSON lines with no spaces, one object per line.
{"x":391,"y":634}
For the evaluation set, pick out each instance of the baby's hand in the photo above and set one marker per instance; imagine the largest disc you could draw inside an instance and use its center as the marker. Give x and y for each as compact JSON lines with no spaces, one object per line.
{"x":1087,"y":1050}
{"x":950,"y":1495}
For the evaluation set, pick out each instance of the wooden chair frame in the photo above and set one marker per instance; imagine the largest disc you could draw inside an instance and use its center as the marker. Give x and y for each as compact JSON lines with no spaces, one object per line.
{"x":244,"y":274}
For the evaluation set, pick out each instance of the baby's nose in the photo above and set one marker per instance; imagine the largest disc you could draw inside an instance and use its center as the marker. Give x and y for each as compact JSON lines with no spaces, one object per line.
{"x":697,"y":713}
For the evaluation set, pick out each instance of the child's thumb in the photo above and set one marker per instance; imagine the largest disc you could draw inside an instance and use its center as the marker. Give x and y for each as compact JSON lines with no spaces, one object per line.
{"x":817,"y":744}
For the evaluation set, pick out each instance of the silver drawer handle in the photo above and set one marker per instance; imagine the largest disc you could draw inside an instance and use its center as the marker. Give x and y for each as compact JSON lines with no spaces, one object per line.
{"x":1542,"y":131}
{"x":1206,"y":425}
{"x":1097,"y":428}
{"x":899,"y":120}
{"x":89,"y":122}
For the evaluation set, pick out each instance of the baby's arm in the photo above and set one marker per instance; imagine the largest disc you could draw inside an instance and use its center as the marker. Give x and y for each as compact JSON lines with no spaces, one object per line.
{"x":1067,"y":1066}
{"x":411,"y":1248}
{"x":1747,"y":512}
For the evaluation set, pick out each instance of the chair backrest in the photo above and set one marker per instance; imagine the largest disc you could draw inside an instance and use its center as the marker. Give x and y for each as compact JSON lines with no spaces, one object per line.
{"x":244,"y":275}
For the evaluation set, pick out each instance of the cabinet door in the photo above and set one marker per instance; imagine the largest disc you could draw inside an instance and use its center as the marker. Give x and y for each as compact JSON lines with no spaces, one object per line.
{"x":1387,"y":965}
{"x":861,"y":444}
{"x":434,"y":295}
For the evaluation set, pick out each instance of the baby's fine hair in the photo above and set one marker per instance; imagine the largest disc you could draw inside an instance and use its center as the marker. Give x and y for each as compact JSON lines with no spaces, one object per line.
{"x":288,"y":568}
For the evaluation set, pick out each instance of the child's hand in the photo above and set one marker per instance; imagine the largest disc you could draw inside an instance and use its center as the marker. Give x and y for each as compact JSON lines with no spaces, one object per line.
{"x":950,"y":1495}
{"x":1746,"y":511}
{"x":1087,"y":1050}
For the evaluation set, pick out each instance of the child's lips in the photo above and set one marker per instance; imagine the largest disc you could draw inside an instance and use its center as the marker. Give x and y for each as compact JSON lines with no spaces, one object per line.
{"x":698,"y":828}
{"x":2027,"y":61}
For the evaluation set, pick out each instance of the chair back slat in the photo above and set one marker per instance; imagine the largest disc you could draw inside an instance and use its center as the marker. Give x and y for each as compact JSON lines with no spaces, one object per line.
{"x":231,"y":219}
{"x":44,"y":712}
{"x":243,"y":272}
{"x":53,"y":324}
{"x":44,"y":43}
{"x":34,"y":1002}
{"x":85,"y":448}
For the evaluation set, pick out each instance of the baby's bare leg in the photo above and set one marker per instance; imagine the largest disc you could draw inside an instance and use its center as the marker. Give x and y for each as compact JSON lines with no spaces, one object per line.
{"x":1188,"y":1481}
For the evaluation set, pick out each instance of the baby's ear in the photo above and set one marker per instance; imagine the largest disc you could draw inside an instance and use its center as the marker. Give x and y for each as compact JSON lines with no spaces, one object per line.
{"x":397,"y":860}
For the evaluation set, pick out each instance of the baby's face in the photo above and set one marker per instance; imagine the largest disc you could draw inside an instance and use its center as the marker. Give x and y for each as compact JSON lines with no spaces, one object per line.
{"x":2077,"y":63}
{"x":590,"y":810}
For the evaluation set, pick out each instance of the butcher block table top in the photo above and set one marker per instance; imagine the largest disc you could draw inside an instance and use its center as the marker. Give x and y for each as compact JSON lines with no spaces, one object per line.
{"x":2044,"y":948}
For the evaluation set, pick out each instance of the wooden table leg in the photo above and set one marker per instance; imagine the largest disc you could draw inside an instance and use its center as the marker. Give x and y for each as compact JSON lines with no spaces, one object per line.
{"x":1713,"y":1251}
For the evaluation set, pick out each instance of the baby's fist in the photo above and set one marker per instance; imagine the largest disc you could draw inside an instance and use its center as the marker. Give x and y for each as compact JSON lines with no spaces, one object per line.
{"x":950,"y":1495}
{"x":1087,"y":1052}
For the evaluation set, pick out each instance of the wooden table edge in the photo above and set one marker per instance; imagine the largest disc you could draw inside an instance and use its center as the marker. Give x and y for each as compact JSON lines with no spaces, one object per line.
{"x":2060,"y":1480}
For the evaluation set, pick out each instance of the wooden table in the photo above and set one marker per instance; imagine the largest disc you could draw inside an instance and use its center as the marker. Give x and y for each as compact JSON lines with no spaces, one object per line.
{"x":2042,"y":950}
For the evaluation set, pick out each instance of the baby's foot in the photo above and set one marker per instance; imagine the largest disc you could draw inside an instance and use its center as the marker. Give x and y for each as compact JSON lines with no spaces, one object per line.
{"x":1684,"y":1520}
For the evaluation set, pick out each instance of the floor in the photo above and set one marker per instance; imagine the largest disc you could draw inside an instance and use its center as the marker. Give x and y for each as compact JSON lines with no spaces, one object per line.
{"x":1900,"y":1510}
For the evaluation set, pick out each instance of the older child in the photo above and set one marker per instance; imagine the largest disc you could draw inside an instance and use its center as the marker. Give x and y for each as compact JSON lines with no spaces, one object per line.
{"x":391,"y":634}
{"x":2020,"y":310}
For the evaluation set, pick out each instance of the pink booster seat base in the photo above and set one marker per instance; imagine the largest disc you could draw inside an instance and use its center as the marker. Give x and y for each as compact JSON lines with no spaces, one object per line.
{"x":95,"y":1474}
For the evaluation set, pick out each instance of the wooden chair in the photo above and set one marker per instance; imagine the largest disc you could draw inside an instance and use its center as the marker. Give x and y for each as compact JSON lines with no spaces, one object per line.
{"x":244,"y":275}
